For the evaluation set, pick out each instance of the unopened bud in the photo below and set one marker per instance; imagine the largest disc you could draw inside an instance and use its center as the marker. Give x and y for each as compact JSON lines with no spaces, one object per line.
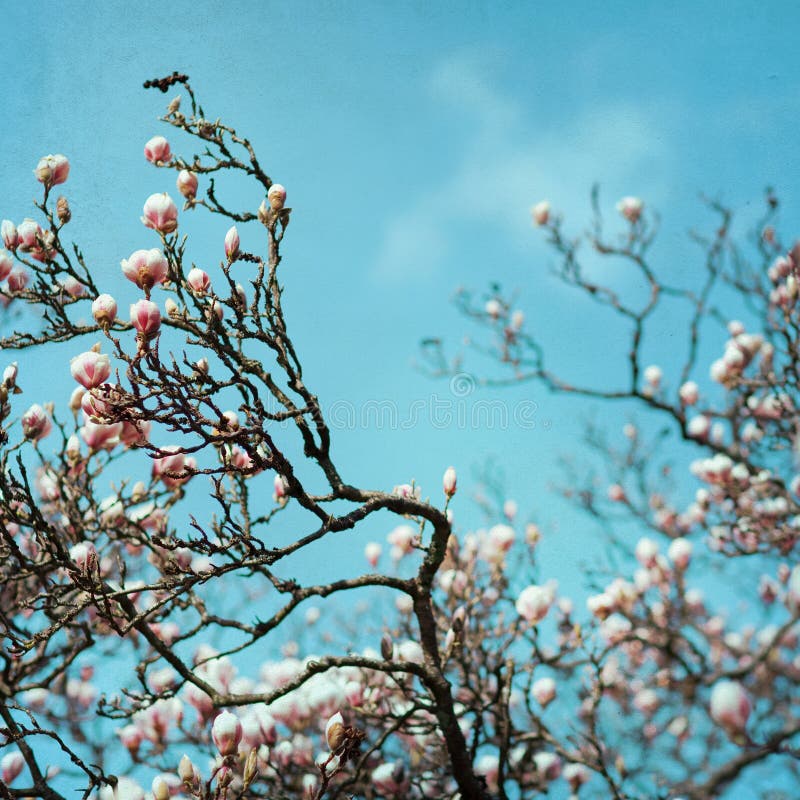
{"x":334,"y":732}
{"x":174,"y":104}
{"x":387,"y":648}
{"x":62,"y":210}
{"x":160,"y":788}
{"x":276,"y":196}
{"x":171,"y":307}
{"x":251,"y":767}
{"x":186,"y":769}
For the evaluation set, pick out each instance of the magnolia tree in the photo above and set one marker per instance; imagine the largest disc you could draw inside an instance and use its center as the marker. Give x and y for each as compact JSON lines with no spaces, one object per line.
{"x":136,"y":662}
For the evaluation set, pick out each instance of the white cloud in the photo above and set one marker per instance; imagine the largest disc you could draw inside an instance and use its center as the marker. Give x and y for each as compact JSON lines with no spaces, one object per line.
{"x":512,"y":159}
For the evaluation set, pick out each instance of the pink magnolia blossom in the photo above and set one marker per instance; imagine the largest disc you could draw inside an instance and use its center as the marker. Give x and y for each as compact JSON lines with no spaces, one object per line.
{"x":281,"y":486}
{"x":544,"y":691}
{"x":534,"y":602}
{"x":146,"y":318}
{"x":187,"y":184}
{"x":160,"y":213}
{"x":276,"y":196}
{"x":8,"y":232}
{"x":198,"y":281}
{"x":631,"y":208}
{"x":104,"y":310}
{"x":27,"y":234}
{"x":730,"y":706}
{"x":6,"y":265}
{"x":52,"y":170}
{"x":157,"y":150}
{"x":100,"y":436}
{"x":540,"y":213}
{"x":145,"y":268}
{"x":36,"y":423}
{"x":372,"y":552}
{"x":11,"y":766}
{"x":73,"y":287}
{"x":680,"y":552}
{"x":18,"y":279}
{"x":449,"y":482}
{"x":689,"y":393}
{"x":84,"y":555}
{"x":90,"y":369}
{"x":172,"y":469}
{"x":232,"y":244}
{"x":226,"y":733}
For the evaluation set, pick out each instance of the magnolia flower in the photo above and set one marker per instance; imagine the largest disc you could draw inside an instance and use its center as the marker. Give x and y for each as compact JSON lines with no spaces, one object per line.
{"x":730,"y":706}
{"x":8,"y":232}
{"x":187,"y":184}
{"x":334,"y":731}
{"x":232,"y":244}
{"x":449,"y":482}
{"x":630,"y":208}
{"x":84,"y":555}
{"x":157,"y":150}
{"x":146,"y":318}
{"x":534,"y":602}
{"x":198,"y":281}
{"x":160,"y":213}
{"x":227,"y":733}
{"x":544,"y":691}
{"x":145,"y":268}
{"x":90,"y":369}
{"x":276,"y":196}
{"x":104,"y":310}
{"x":36,"y":423}
{"x":52,"y":170}
{"x":6,"y":265}
{"x":11,"y":766}
{"x":372,"y":552}
{"x":540,"y":213}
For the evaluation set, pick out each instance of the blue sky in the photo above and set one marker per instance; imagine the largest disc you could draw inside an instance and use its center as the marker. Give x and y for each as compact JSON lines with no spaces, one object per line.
{"x":413,"y":140}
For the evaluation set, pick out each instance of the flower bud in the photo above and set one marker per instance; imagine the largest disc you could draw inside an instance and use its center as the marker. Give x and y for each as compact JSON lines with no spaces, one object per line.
{"x":160,"y":213}
{"x":6,"y":265}
{"x":198,"y":281}
{"x":263,"y":213}
{"x":84,"y":555}
{"x":187,"y":184}
{"x":146,"y":318}
{"x":730,"y":706}
{"x":157,"y":151}
{"x":232,"y":244}
{"x":8,"y":231}
{"x":227,"y":733}
{"x":630,"y":208}
{"x":540,"y":213}
{"x":276,"y":196}
{"x":387,"y":648}
{"x":52,"y":170}
{"x":90,"y":369}
{"x":372,"y":552}
{"x":186,"y":769}
{"x":544,"y":691}
{"x":449,"y":482}
{"x":334,"y":732}
{"x":62,"y":210}
{"x":145,"y":268}
{"x":104,"y":310}
{"x":11,"y":766}
{"x":171,"y":307}
{"x":250,"y":772}
{"x":35,"y":423}
{"x":160,"y":788}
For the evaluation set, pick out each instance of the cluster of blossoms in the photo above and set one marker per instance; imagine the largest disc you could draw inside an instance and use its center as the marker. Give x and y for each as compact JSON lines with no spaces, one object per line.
{"x":460,"y":684}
